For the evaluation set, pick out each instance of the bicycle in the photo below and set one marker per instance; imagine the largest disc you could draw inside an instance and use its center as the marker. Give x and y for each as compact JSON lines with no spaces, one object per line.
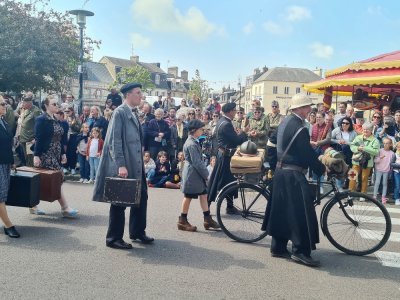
{"x":353,"y":222}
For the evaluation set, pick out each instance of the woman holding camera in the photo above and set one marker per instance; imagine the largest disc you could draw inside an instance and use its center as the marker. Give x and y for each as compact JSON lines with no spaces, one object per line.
{"x":364,"y":147}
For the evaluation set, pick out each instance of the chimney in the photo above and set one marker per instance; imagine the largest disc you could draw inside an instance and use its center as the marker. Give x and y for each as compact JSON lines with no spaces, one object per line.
{"x":318,"y":71}
{"x":256,"y":71}
{"x":135,"y":59}
{"x":173,"y":71}
{"x":158,"y":65}
{"x":185,"y":75}
{"x":265,"y":69}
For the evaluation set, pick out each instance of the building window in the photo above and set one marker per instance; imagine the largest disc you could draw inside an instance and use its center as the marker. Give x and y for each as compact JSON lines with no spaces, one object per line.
{"x":286,"y":90}
{"x":298,"y":90}
{"x":157,"y":79}
{"x":275,"y":90}
{"x":308,"y":93}
{"x":157,"y":93}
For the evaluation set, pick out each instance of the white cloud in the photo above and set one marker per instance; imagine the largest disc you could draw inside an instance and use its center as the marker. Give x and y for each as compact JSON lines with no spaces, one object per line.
{"x":163,"y":16}
{"x":374,"y":10}
{"x":276,"y":28}
{"x":321,"y":51}
{"x":140,"y":41}
{"x":297,"y":13}
{"x":248,"y":28}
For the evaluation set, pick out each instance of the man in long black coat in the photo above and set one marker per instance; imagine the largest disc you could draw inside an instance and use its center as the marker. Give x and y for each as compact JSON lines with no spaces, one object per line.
{"x":290,"y":214}
{"x":228,"y":139}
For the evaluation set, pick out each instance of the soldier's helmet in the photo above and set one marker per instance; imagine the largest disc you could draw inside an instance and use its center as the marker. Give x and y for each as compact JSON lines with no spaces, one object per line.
{"x":248,"y":148}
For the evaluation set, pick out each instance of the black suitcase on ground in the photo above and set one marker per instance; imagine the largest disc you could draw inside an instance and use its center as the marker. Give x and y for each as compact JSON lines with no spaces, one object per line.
{"x":24,"y":189}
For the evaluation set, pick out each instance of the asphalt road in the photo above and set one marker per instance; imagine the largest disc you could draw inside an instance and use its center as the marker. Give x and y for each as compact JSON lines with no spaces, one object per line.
{"x":58,"y":258}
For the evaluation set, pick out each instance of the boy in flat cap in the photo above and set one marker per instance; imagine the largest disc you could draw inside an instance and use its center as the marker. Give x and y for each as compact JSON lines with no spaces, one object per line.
{"x":123,"y":157}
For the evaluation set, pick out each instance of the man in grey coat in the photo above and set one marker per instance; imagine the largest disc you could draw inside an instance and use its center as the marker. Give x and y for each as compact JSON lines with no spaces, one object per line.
{"x":122,"y":156}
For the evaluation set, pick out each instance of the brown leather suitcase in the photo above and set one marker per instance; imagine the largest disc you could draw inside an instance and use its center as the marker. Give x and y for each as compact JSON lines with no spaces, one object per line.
{"x":122,"y":191}
{"x":24,"y":189}
{"x":50,"y":182}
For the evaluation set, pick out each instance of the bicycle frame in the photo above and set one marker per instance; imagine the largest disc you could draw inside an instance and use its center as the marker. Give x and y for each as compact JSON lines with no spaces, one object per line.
{"x":334,"y":189}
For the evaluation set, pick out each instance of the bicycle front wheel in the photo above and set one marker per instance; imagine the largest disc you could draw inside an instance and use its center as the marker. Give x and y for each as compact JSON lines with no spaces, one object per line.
{"x":249,"y":202}
{"x":356,"y":227}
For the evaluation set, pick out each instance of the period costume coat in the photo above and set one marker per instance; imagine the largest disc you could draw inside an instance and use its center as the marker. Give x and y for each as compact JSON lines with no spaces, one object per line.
{"x":227,"y":140}
{"x":123,"y":148}
{"x":290,"y":214}
{"x":195,"y":173}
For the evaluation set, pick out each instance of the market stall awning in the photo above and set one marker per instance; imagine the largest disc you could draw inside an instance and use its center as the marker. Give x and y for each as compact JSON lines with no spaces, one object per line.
{"x":383,"y":61}
{"x":376,"y":75}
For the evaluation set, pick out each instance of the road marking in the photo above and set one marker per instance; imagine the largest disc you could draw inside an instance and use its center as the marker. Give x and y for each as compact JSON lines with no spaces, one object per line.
{"x":375,"y":220}
{"x":389,"y":259}
{"x":374,"y":234}
{"x":374,"y":208}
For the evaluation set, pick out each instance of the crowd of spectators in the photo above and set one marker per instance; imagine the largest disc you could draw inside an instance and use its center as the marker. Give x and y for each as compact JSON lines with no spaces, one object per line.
{"x":165,"y":131}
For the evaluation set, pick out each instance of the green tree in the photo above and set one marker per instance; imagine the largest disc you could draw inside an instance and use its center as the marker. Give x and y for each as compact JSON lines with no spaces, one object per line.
{"x":199,"y":87}
{"x":39,"y":47}
{"x":135,"y":74}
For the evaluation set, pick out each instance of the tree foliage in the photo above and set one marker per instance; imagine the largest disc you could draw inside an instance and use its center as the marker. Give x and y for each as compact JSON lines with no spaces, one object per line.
{"x":134,"y":74}
{"x":199,"y":87}
{"x":39,"y":47}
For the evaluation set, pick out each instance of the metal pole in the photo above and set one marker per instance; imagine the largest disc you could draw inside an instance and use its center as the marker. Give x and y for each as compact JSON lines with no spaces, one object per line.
{"x":81,"y":72}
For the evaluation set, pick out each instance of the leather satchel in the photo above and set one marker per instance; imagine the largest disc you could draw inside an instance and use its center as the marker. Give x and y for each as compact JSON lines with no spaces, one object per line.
{"x":122,"y":191}
{"x":50,"y":182}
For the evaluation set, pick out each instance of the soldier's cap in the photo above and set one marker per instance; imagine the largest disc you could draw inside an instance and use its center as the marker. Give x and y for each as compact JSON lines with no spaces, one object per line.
{"x":194,"y":125}
{"x":130,"y":86}
{"x":228,"y":107}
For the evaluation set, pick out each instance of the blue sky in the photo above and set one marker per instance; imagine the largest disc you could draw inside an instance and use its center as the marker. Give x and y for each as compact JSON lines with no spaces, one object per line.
{"x":227,"y":39}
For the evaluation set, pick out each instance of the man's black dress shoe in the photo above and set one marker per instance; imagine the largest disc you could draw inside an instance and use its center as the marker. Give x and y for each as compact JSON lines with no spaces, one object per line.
{"x":305,"y":260}
{"x":12,"y":232}
{"x":231,"y":210}
{"x":119,"y":244}
{"x":143,"y":238}
{"x":285,"y":254}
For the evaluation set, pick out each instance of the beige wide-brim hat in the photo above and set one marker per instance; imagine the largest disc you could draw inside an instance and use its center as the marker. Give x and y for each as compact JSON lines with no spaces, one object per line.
{"x":300,"y":100}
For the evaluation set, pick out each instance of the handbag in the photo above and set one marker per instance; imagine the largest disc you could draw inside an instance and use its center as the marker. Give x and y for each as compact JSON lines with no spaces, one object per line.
{"x":122,"y":191}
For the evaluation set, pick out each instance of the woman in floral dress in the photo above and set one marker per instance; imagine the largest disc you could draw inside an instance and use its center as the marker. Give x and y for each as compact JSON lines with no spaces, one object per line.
{"x":49,"y":152}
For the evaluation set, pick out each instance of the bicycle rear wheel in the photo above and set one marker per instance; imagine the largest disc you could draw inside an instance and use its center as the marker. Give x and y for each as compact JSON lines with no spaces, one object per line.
{"x":356,"y":227}
{"x":250,"y":201}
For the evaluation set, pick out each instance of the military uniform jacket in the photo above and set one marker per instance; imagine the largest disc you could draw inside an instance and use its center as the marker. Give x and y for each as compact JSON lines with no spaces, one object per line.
{"x":261,"y":127}
{"x":27,"y":132}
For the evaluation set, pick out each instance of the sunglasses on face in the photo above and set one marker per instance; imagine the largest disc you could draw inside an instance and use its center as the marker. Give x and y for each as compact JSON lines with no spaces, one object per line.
{"x":240,"y":113}
{"x":190,"y":113}
{"x":215,"y":116}
{"x":376,"y":117}
{"x":274,"y":106}
{"x":345,"y":123}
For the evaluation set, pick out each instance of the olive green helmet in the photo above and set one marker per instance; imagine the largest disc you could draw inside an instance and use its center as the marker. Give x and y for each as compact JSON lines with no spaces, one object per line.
{"x":249,"y":148}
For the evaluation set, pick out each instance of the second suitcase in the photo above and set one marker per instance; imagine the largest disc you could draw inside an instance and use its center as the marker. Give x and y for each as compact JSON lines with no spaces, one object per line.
{"x":24,"y":189}
{"x":50,"y":182}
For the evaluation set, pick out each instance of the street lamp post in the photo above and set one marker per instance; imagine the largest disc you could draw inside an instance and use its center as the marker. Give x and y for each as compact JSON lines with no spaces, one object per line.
{"x":81,"y":21}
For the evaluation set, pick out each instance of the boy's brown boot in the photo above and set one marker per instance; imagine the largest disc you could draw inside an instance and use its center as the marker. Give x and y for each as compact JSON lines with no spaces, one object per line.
{"x":184,"y":225}
{"x":210,"y":223}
